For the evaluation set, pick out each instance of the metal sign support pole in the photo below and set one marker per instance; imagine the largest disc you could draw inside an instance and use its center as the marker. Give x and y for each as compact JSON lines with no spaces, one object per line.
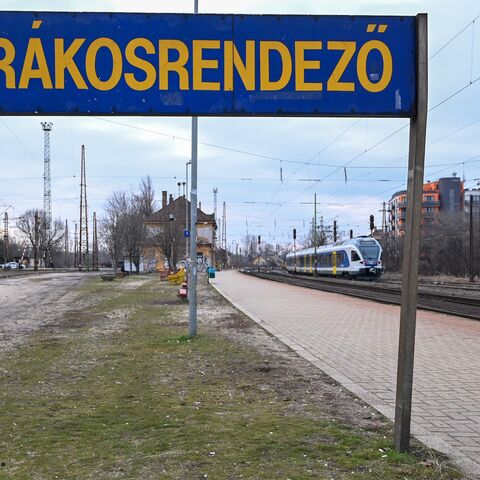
{"x":192,"y":287}
{"x":416,"y":160}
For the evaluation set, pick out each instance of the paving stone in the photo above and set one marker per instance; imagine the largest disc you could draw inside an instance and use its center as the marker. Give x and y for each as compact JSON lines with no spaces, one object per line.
{"x":356,"y":342}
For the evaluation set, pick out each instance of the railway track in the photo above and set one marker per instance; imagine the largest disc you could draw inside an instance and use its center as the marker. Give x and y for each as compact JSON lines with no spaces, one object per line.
{"x":452,"y":303}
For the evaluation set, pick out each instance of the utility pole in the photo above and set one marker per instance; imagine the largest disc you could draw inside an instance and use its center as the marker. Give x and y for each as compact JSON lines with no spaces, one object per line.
{"x":186,"y":213}
{"x":384,"y":218}
{"x":215,"y":218}
{"x":95,"y":244}
{"x":5,"y":238}
{"x":224,"y":227}
{"x":471,"y":266}
{"x":35,"y":246}
{"x":83,"y":252}
{"x":295,"y":250}
{"x":192,"y":288}
{"x":66,"y":244}
{"x":315,"y":234}
{"x":334,"y":231}
{"x":75,"y":247}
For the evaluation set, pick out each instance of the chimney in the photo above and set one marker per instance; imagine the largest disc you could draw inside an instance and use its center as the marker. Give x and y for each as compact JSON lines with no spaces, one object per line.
{"x":164,"y":198}
{"x":170,"y":200}
{"x":199,"y":205}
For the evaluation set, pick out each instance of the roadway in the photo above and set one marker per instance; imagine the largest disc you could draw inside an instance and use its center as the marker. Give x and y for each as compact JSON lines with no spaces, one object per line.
{"x":355,"y":341}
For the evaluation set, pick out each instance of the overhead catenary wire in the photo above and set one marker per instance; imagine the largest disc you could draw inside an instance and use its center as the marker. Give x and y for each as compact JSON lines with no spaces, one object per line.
{"x":306,"y":163}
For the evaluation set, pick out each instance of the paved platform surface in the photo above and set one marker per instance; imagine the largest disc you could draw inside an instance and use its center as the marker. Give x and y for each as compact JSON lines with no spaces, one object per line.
{"x":355,"y":341}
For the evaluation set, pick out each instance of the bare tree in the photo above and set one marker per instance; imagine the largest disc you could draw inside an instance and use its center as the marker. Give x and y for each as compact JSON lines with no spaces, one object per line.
{"x":43,"y":242}
{"x":122,"y":227}
{"x":112,"y":226}
{"x":134,"y":231}
{"x":145,"y":199}
{"x":141,"y":206}
{"x":169,"y":238}
{"x":444,"y":246}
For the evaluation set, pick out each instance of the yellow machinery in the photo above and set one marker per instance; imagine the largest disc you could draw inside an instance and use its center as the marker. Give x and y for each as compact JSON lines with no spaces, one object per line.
{"x":177,"y":278}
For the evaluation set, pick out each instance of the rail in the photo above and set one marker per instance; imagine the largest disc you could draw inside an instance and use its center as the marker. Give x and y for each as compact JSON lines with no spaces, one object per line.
{"x":443,"y":302}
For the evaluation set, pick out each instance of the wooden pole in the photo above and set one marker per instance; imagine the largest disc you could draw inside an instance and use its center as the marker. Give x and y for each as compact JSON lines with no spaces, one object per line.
{"x":416,"y":160}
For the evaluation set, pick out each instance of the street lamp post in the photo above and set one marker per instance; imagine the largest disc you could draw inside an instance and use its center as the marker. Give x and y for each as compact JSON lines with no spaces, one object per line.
{"x":192,"y":277}
{"x":186,"y":209}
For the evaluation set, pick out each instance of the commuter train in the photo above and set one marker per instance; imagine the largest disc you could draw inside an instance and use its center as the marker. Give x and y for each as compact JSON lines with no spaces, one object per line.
{"x":355,"y":257}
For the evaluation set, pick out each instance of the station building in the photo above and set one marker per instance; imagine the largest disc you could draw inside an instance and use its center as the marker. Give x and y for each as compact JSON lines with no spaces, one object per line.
{"x":444,"y":195}
{"x":170,"y":220}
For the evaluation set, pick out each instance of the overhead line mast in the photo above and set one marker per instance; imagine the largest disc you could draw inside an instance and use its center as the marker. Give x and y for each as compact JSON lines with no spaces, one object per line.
{"x":83,"y":253}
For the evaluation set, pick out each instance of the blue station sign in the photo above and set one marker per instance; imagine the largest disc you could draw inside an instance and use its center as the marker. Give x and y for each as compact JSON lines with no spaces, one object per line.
{"x":223,"y":65}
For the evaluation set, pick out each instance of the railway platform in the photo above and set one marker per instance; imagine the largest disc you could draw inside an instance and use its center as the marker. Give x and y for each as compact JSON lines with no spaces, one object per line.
{"x":355,"y":341}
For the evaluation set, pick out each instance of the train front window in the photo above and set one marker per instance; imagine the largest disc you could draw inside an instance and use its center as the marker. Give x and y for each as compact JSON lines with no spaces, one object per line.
{"x":370,"y":253}
{"x":355,"y":256}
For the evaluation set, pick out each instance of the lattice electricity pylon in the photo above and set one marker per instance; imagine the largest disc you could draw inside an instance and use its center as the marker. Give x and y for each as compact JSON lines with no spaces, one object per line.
{"x":95,"y":243}
{"x":83,"y":252}
{"x":47,"y":182}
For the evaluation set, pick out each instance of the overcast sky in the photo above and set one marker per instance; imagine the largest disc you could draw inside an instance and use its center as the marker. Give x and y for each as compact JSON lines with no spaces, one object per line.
{"x":122,"y":150}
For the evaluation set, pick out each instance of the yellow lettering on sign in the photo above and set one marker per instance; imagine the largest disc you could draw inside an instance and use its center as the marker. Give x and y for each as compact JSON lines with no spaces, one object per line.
{"x":91,"y":64}
{"x":6,"y":62}
{"x":141,"y":64}
{"x":301,"y":65}
{"x":177,"y":66}
{"x":334,"y":84}
{"x":367,"y":84}
{"x":64,"y":61}
{"x":246,"y":70}
{"x":35,"y":53}
{"x":199,"y":64}
{"x":265,"y":82}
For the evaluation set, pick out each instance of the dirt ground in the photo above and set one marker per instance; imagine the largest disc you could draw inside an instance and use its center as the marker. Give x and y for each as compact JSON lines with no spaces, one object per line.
{"x":30,"y":301}
{"x":280,"y":362}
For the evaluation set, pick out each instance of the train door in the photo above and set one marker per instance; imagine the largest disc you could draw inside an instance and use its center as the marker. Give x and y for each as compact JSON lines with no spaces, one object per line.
{"x":310,"y":257}
{"x":334,"y":263}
